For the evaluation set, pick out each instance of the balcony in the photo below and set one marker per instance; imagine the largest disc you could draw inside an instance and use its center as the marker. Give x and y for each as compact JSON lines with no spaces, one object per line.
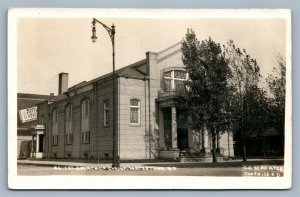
{"x":170,"y":90}
{"x":166,"y":95}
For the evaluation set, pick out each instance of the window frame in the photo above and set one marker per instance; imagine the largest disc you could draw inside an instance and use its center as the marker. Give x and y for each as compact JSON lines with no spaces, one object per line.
{"x":56,"y":115}
{"x":85,"y":137}
{"x":54,"y":136}
{"x":69,"y":120}
{"x":69,"y":111}
{"x":139,"y":112}
{"x":85,"y":114}
{"x":69,"y":138}
{"x":54,"y":140}
{"x":172,"y":78}
{"x":85,"y":108}
{"x":42,"y":120}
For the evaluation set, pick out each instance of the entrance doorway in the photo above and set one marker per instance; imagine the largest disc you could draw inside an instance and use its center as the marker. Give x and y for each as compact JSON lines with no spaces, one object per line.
{"x":182,"y":138}
{"x":41,"y":143}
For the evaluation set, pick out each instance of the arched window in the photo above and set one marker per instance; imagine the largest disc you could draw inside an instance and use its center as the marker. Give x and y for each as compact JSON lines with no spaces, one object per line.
{"x":85,"y":121}
{"x":173,"y":79}
{"x":135,"y":112}
{"x":55,"y":127}
{"x":69,"y":128}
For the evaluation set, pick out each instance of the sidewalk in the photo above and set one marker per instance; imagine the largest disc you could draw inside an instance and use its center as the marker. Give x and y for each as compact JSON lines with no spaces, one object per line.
{"x":145,"y":164}
{"x":62,"y":163}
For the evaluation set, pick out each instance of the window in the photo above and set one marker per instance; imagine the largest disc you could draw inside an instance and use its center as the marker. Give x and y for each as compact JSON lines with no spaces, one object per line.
{"x":135,"y":111}
{"x":85,"y":136}
{"x":85,"y":122}
{"x":55,"y":127}
{"x":173,"y":80}
{"x":54,"y":139}
{"x":168,"y":74}
{"x":69,"y":138}
{"x":42,"y":120}
{"x":69,"y":112}
{"x":69,"y":128}
{"x":106,"y":113}
{"x":85,"y":108}
{"x":179,"y":74}
{"x":55,"y":114}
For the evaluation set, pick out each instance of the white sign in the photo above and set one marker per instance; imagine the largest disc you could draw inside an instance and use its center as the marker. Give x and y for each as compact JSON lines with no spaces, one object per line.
{"x":29,"y":114}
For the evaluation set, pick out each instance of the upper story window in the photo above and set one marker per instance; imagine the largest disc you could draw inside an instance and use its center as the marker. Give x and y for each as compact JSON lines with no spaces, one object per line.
{"x":42,"y":120}
{"x":55,"y":116}
{"x":69,"y":129}
{"x":55,"y":127}
{"x":85,"y":121}
{"x":85,"y":108}
{"x":135,"y":111}
{"x":173,"y":79}
{"x":106,"y":113}
{"x":69,"y":112}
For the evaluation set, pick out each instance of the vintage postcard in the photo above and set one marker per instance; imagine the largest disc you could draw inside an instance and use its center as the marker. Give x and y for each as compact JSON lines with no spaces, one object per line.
{"x":149,"y":99}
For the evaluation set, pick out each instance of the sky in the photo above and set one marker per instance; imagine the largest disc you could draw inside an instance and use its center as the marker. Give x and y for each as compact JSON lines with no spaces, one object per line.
{"x":49,"y":46}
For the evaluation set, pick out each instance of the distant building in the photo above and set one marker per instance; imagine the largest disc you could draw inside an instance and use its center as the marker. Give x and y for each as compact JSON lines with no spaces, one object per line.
{"x":27,"y":118}
{"x":78,"y":121}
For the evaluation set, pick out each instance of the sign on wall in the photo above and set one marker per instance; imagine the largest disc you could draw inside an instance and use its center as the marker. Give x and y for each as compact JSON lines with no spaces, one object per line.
{"x":29,"y":114}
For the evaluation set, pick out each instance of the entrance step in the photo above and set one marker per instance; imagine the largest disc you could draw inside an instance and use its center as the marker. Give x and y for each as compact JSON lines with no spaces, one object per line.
{"x":188,"y":157}
{"x":201,"y":159}
{"x":169,"y":154}
{"x":195,"y":160}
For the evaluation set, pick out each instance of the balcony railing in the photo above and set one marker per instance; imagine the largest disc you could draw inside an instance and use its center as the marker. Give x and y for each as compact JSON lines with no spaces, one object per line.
{"x":167,"y":94}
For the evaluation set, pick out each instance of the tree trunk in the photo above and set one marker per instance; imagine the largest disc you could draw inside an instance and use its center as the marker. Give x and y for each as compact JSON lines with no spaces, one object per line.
{"x":244,"y":150}
{"x":214,"y":152}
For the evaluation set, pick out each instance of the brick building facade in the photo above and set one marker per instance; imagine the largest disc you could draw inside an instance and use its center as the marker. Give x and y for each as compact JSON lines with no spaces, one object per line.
{"x":78,"y":121}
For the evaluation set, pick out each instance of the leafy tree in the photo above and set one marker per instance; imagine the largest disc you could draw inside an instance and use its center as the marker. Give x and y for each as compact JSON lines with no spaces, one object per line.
{"x":277,"y":86}
{"x":256,"y":111}
{"x":245,"y":75}
{"x":207,"y":88}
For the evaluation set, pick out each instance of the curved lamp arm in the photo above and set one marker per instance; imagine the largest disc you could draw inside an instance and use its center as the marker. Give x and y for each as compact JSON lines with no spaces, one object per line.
{"x":111,"y":31}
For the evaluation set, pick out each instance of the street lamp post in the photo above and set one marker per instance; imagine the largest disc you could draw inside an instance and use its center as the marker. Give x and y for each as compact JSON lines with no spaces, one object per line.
{"x":111,"y":32}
